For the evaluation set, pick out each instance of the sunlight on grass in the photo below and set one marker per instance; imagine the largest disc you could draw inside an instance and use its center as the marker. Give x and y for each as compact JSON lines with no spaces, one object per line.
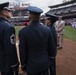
{"x":70,"y":33}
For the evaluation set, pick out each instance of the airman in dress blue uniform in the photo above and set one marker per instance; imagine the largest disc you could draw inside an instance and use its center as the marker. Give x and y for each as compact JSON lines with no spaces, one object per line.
{"x":36,"y":45}
{"x":8,"y":55}
{"x":50,"y":19}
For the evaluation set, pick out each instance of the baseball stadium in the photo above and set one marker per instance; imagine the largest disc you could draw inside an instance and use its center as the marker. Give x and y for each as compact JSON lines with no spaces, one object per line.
{"x":66,"y":57}
{"x":66,"y":60}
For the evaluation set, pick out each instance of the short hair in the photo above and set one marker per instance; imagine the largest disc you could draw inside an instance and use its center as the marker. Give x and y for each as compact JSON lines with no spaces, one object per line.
{"x":34,"y":17}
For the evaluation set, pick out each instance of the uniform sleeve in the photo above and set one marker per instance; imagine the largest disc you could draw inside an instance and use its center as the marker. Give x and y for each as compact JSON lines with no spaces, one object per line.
{"x":22,"y":49}
{"x":10,"y":46}
{"x":53,"y":30}
{"x":51,"y":46}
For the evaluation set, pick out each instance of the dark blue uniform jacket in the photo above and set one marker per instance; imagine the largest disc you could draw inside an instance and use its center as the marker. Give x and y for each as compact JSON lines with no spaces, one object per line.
{"x":36,"y":47}
{"x":53,"y":30}
{"x":53,"y":60}
{"x":8,"y":55}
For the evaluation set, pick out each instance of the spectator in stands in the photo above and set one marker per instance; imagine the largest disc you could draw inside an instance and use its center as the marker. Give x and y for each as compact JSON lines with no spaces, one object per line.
{"x":8,"y":56}
{"x":26,"y":23}
{"x":59,"y":25}
{"x":49,"y":21}
{"x":36,"y":45}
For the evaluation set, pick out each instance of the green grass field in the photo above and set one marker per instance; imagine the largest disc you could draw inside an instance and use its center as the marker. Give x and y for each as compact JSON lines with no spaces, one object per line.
{"x":17,"y":28}
{"x":69,"y":32}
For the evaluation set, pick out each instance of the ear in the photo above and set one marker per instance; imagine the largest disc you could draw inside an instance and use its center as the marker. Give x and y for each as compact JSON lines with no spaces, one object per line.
{"x":4,"y":12}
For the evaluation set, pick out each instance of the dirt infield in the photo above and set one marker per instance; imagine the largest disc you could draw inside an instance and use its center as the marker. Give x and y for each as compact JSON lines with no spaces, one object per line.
{"x":66,"y":59}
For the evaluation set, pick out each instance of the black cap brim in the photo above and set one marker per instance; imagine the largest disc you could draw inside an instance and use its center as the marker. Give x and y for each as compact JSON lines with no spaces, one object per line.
{"x":51,"y":15}
{"x":6,"y":4}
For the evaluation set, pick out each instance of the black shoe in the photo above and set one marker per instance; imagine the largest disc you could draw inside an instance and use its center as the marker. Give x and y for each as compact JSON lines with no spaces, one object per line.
{"x":59,"y":47}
